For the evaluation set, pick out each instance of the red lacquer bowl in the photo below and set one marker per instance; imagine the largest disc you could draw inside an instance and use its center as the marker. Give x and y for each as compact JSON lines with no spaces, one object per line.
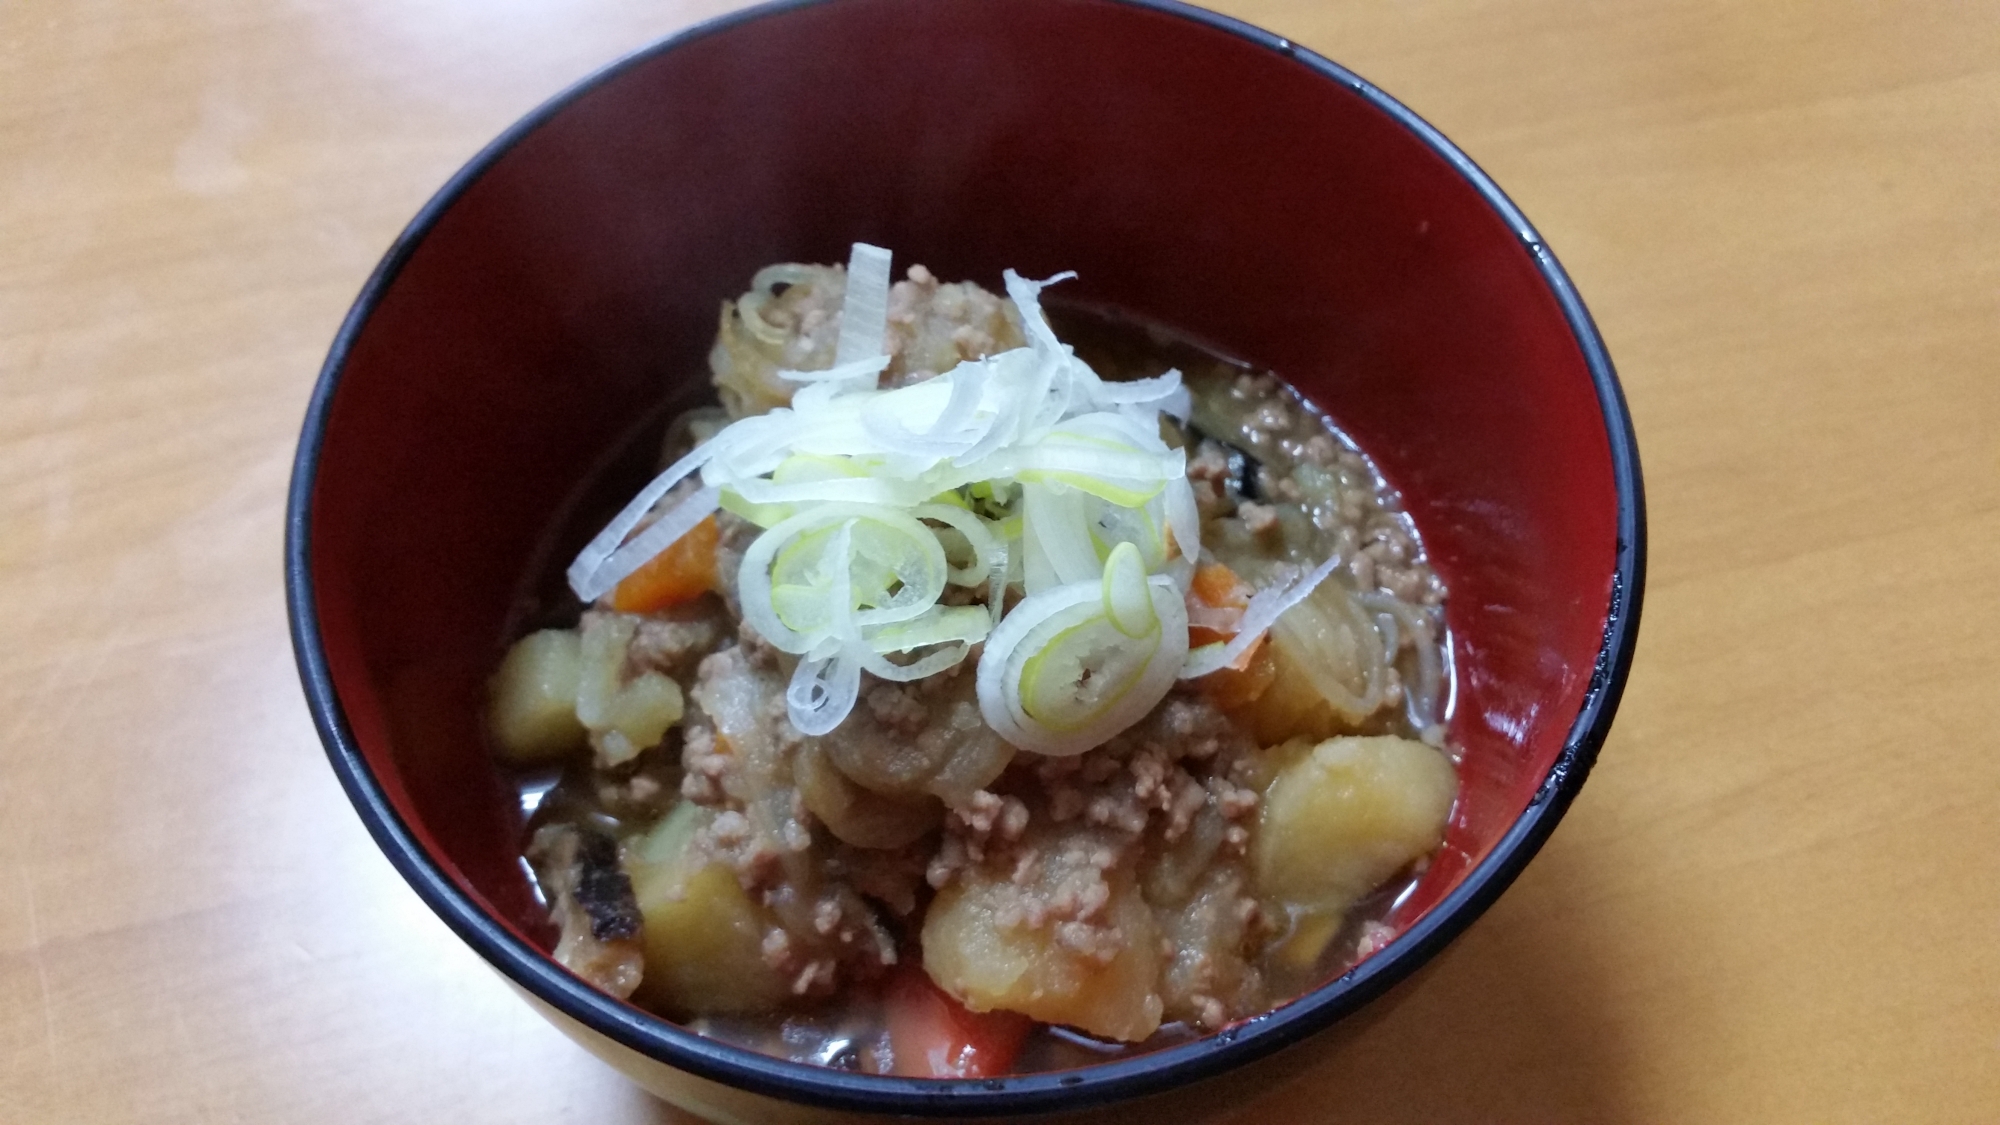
{"x":1192,"y":170}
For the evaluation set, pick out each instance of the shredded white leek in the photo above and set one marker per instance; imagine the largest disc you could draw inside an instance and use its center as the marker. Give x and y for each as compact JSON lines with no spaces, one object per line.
{"x":865,"y":310}
{"x":1023,"y":469}
{"x":593,"y":574}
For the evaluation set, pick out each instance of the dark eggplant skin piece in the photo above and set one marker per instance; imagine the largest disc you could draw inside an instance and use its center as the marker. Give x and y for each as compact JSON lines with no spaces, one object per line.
{"x":591,"y":902}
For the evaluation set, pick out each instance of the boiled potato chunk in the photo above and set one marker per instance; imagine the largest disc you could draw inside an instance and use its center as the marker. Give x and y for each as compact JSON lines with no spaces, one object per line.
{"x":1341,"y":817}
{"x":979,"y":950}
{"x":703,"y":934}
{"x":533,"y":716}
{"x":1309,"y":931}
{"x":623,"y":716}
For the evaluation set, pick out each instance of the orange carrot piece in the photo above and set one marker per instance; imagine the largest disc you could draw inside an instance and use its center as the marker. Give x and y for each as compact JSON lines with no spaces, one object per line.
{"x":681,"y":573}
{"x":932,"y":1035}
{"x":1245,"y":679}
{"x":1217,"y":585}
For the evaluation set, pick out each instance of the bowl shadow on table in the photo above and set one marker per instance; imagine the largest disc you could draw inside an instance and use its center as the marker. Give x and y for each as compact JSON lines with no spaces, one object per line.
{"x":1512,"y":1023}
{"x":1509,"y":1024}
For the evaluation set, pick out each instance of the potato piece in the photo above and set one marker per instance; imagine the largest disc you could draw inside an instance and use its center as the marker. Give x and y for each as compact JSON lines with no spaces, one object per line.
{"x":703,"y":934}
{"x":533,"y":711}
{"x":1101,"y":976}
{"x":623,"y":716}
{"x":1341,"y":817}
{"x":1308,"y":932}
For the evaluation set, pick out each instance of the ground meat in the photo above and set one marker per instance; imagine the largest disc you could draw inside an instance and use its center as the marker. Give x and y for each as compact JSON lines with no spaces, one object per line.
{"x":1059,"y":879}
{"x":739,"y":759}
{"x":1320,"y":449}
{"x":1056,"y":829}
{"x":795,"y":326}
{"x":757,"y":857}
{"x":702,"y":765}
{"x":646,"y":787}
{"x":934,"y":326}
{"x":981,"y":824}
{"x":674,"y":640}
{"x":1261,"y":519}
{"x":1313,"y":495}
{"x":899,"y":708}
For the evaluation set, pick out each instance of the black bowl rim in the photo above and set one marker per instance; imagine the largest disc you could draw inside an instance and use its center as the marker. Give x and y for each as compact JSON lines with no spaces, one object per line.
{"x":1087,"y":1087}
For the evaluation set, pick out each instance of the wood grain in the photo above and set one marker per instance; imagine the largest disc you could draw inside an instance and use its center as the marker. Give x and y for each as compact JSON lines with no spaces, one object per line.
{"x":1778,"y":898}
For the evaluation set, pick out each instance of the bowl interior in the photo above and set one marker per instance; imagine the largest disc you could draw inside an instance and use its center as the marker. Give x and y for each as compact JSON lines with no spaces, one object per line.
{"x":569,"y":283}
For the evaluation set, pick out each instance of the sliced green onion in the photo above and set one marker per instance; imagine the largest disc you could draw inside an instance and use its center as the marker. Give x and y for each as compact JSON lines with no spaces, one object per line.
{"x":822,"y":693}
{"x":1183,"y":517}
{"x":593,"y":574}
{"x":1059,"y":677}
{"x":1128,"y":602}
{"x":826,"y":683}
{"x":854,"y":371}
{"x":902,"y":571}
{"x":763,"y":515}
{"x":938,"y":625}
{"x":1058,"y":528}
{"x":1078,"y":672}
{"x":1111,"y":525}
{"x":979,"y":540}
{"x":1024,"y":466}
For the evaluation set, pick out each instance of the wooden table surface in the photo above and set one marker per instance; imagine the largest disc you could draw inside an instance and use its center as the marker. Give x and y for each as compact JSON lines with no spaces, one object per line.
{"x":1778,"y":898}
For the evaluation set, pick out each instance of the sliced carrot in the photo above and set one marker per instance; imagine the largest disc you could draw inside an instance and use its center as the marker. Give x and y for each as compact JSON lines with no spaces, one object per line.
{"x":932,"y":1035}
{"x":1217,"y":585}
{"x":1215,"y":602}
{"x":681,"y":573}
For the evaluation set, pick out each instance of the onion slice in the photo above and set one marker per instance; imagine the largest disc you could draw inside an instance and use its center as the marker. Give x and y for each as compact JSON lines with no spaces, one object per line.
{"x":1264,"y":609}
